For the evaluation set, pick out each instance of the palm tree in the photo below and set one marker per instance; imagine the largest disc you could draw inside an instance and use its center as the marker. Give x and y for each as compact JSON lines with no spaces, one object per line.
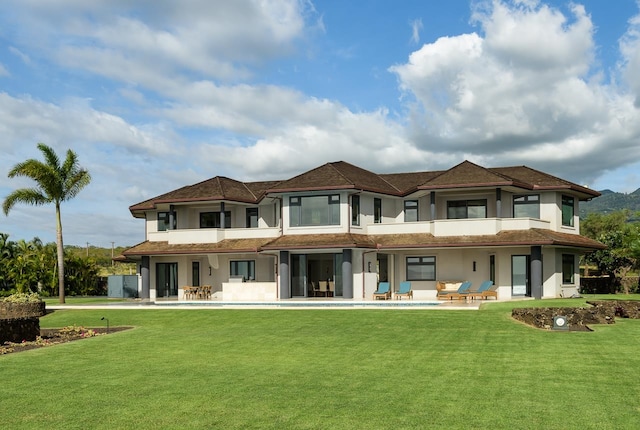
{"x":55,"y":183}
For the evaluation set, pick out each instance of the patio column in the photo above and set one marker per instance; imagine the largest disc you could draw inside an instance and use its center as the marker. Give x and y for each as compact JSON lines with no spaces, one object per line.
{"x":285,"y":290}
{"x":433,"y":205}
{"x":498,"y":202}
{"x":172,"y":218}
{"x":347,"y":274}
{"x":146,"y":280}
{"x":536,"y":272}
{"x":222,"y":220}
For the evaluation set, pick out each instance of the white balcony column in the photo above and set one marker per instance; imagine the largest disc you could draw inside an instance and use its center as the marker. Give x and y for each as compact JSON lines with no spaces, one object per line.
{"x":222,"y":220}
{"x":536,"y":272}
{"x":172,"y":218}
{"x":498,"y":202}
{"x":285,"y":291}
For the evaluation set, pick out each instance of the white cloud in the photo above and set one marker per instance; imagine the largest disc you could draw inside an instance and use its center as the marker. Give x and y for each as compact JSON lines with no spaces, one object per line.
{"x":416,"y":27}
{"x":521,"y":92}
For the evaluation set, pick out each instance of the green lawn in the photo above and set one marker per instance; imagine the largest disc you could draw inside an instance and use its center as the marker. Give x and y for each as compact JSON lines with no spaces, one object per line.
{"x":316,"y":369}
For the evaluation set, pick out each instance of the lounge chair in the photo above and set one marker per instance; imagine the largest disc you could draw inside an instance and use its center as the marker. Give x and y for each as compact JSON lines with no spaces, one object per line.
{"x":492,"y":291}
{"x":383,"y":292}
{"x":462,"y":292}
{"x":481,"y":289}
{"x":404,"y":291}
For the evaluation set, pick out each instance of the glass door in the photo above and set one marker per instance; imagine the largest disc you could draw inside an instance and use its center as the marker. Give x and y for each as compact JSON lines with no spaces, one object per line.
{"x":298,"y":275}
{"x":166,"y":279}
{"x":520,"y":275}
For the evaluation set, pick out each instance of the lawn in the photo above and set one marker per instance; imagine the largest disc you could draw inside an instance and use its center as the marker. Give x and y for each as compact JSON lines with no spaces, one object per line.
{"x":311,"y":369}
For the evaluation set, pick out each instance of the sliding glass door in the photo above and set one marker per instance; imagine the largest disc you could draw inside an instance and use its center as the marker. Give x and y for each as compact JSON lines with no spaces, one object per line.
{"x":520,"y":275}
{"x":166,"y":279}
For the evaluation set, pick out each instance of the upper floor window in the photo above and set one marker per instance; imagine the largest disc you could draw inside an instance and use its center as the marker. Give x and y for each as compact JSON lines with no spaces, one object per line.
{"x":244,"y":268}
{"x":164,"y":221}
{"x":377,"y":210}
{"x":410,"y":210}
{"x":252,"y":218}
{"x":355,"y":210}
{"x":568,"y":268}
{"x":421,"y":268}
{"x":567,"y":211}
{"x":526,"y":206}
{"x":460,"y":209}
{"x":212,"y":219}
{"x":314,"y":210}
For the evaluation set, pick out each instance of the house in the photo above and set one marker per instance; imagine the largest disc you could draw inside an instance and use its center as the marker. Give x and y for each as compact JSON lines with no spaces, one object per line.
{"x":338,"y":230}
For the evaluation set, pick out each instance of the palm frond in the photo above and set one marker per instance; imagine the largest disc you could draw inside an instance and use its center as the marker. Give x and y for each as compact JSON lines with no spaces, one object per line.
{"x":31,"y":196}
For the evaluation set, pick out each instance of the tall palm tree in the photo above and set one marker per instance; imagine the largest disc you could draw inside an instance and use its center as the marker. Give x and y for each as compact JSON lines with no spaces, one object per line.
{"x":55,"y":183}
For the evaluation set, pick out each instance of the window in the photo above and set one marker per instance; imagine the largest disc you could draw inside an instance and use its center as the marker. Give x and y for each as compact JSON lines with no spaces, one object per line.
{"x":421,"y":268}
{"x":377,"y":210}
{"x":568,"y":268}
{"x":410,"y":210}
{"x":314,"y":210}
{"x":252,"y":217}
{"x":567,"y":211}
{"x":245,"y":268}
{"x":212,"y":219}
{"x":195,"y":273}
{"x":460,"y":209}
{"x":163,"y":221}
{"x":355,"y":210}
{"x":526,"y":206}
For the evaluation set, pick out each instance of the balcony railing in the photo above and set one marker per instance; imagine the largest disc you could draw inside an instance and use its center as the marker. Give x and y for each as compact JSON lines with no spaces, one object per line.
{"x":460,"y":227}
{"x":212,"y":235}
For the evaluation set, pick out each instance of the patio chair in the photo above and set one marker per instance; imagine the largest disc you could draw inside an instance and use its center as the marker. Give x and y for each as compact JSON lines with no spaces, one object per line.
{"x":492,"y":291}
{"x":462,"y":292}
{"x":404,"y":290}
{"x":481,"y":289}
{"x":383,"y":292}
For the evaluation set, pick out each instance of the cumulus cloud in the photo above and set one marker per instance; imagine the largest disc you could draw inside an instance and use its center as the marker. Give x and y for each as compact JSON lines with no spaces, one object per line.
{"x":521,"y":90}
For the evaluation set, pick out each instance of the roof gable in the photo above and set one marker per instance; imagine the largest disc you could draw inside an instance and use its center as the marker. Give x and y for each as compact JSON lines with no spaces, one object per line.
{"x":335,"y":176}
{"x":467,"y":174}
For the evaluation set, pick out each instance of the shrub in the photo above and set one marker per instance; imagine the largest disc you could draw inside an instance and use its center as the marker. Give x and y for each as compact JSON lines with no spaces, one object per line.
{"x":22,"y":298}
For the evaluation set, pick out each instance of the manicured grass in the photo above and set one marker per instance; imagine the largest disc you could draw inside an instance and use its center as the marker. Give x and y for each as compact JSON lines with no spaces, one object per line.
{"x":84,"y":300}
{"x":308,"y":369}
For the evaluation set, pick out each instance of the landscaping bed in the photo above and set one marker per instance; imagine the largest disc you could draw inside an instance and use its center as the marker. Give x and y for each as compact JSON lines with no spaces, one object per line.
{"x":55,"y":336}
{"x":579,"y":318}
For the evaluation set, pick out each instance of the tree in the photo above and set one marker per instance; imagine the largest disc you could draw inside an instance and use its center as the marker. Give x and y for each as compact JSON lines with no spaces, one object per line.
{"x":56,"y":183}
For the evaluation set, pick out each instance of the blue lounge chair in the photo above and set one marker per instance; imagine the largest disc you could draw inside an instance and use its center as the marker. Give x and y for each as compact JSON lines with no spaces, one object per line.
{"x":462,"y":292}
{"x":404,"y":291}
{"x":383,"y":292}
{"x":481,"y":291}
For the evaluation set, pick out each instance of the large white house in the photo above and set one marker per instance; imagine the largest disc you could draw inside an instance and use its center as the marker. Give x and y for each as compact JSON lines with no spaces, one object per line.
{"x":343,"y":228}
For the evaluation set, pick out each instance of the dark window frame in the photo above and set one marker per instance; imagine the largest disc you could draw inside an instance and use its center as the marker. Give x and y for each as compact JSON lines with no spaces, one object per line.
{"x":215,"y":222}
{"x":235,"y":269}
{"x":423,"y":262}
{"x":568,"y":210}
{"x":526,"y":200}
{"x":377,"y":210}
{"x":411,"y":207}
{"x":296,"y":210}
{"x":466,"y":204}
{"x":252,"y":215}
{"x":355,"y":210}
{"x":568,"y":269}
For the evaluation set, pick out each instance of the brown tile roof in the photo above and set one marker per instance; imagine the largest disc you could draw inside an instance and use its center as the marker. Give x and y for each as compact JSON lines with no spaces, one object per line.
{"x":337,"y":176}
{"x":218,"y":188}
{"x":224,"y":246}
{"x":383,"y":242}
{"x":341,"y":175}
{"x":315,"y":241}
{"x":504,"y":238}
{"x":467,"y":174}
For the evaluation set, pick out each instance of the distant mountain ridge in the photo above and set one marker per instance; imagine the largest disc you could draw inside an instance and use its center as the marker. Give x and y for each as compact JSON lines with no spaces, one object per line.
{"x":611,"y":201}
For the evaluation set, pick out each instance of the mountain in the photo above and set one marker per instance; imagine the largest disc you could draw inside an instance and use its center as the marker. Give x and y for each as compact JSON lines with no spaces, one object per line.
{"x":610,"y":201}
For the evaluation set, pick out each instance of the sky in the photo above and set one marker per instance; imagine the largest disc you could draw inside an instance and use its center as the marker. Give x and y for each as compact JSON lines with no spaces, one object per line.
{"x":156,"y":95}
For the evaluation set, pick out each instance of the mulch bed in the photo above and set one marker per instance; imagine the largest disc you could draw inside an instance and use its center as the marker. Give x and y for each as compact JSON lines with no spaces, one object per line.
{"x":55,"y":336}
{"x":580,"y":318}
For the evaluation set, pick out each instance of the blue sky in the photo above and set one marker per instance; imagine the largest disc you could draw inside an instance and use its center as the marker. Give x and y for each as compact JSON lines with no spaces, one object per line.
{"x":155,"y":95}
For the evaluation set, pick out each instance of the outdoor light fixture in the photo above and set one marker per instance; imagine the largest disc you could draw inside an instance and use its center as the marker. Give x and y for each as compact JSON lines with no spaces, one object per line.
{"x":107,"y":319}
